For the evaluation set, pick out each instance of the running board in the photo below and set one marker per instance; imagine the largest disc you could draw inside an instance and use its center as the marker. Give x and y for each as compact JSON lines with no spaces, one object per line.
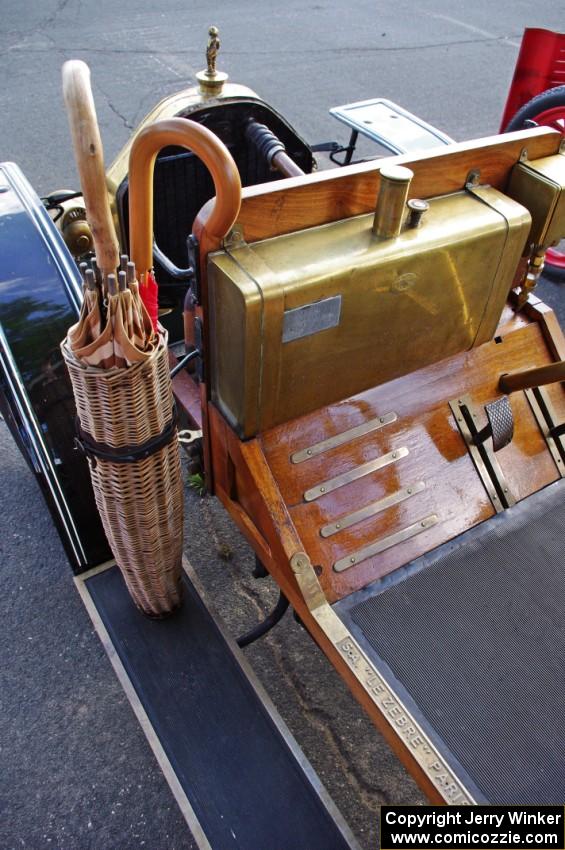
{"x":237,"y":774}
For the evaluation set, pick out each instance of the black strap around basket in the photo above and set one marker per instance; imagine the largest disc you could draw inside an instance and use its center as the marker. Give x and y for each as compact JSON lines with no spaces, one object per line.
{"x":124,"y":454}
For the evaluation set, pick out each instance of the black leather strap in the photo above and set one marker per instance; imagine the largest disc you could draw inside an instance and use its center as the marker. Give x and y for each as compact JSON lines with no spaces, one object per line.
{"x":125,"y":454}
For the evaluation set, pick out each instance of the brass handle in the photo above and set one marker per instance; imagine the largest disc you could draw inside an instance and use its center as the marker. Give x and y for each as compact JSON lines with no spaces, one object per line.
{"x":89,"y":157}
{"x":529,"y":378}
{"x":213,"y":153}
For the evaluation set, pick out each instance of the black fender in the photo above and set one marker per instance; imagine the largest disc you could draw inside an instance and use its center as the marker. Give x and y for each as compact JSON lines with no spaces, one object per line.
{"x":40,"y":296}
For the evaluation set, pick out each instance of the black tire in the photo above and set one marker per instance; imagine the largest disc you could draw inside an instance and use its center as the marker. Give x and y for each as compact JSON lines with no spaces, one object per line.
{"x":540,"y":103}
{"x":550,"y":99}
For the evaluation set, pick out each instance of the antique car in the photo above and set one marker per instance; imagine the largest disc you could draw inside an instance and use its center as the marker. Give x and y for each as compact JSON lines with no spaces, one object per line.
{"x":368,"y":383}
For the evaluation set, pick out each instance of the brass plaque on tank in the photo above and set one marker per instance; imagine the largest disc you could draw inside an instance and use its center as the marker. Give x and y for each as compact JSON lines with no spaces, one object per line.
{"x":386,"y":306}
{"x":539,"y":185}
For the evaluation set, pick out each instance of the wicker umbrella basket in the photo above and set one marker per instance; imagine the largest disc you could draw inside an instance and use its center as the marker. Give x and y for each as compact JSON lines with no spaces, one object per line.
{"x":127,"y":427}
{"x":118,"y":363}
{"x":117,"y":353}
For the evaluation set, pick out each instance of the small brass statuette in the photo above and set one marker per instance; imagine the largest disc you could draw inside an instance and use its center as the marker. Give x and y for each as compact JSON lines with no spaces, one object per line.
{"x":212,"y":51}
{"x":211,"y":80}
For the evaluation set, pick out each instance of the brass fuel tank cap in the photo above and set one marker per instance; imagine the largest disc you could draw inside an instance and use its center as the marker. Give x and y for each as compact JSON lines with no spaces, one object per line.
{"x":391,"y":203}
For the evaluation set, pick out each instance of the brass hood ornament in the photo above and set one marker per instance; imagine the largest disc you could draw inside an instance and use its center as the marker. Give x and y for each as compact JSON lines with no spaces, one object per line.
{"x":211,"y":80}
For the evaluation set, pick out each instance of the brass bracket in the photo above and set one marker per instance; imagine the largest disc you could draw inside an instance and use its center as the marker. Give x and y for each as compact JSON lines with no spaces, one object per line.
{"x":482,"y":454}
{"x":542,"y":409}
{"x":473,"y":179}
{"x":307,"y":581}
{"x":234,"y":239}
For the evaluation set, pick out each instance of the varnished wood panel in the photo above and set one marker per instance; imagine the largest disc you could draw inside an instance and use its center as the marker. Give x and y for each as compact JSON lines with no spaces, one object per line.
{"x":252,"y":477}
{"x":187,"y":394}
{"x":550,"y":327}
{"x":437,"y":456}
{"x":272,"y":533}
{"x":299,"y":202}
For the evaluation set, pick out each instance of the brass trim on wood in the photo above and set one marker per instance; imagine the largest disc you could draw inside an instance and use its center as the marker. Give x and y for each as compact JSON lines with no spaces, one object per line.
{"x":482,"y":455}
{"x":387,"y":702}
{"x":385,"y":543}
{"x":372,"y":509}
{"x":345,"y":437}
{"x":543,"y":410}
{"x":354,"y":474}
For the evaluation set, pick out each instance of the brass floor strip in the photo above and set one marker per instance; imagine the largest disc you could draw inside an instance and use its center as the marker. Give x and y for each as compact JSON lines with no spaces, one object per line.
{"x":371,"y":510}
{"x":344,"y":437}
{"x":385,"y":543}
{"x":545,"y":416}
{"x":483,"y":457}
{"x":353,"y":474}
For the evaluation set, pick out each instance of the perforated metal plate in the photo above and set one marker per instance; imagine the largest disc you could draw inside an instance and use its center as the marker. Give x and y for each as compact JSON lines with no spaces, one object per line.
{"x":474,"y":636}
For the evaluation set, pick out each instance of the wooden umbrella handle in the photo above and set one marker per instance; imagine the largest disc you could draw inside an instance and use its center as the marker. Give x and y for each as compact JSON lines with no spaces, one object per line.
{"x":89,"y":158}
{"x":194,"y":137}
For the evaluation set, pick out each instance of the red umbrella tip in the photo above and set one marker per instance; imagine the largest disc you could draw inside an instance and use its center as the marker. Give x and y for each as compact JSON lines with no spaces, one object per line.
{"x":149,"y":295}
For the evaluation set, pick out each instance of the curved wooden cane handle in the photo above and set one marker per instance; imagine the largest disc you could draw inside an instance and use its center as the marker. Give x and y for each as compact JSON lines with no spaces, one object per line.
{"x":187,"y":134}
{"x":89,"y":157}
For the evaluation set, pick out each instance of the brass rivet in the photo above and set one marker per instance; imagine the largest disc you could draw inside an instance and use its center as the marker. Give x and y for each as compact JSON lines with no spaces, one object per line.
{"x":394,"y":454}
{"x":352,"y":560}
{"x":506,"y":489}
{"x":423,"y":524}
{"x":338,"y":525}
{"x":308,"y":451}
{"x":409,"y":491}
{"x":381,"y":419}
{"x":322,"y":489}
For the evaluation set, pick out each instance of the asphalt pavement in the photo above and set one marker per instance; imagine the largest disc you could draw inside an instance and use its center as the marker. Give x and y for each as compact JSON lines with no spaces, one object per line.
{"x":75,"y":769}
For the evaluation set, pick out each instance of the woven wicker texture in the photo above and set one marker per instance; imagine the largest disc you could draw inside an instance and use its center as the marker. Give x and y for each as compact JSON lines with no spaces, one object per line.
{"x":140,"y":502}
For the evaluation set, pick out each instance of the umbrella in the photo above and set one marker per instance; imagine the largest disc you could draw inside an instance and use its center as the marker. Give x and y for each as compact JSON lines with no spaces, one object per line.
{"x":117,"y":358}
{"x":114,"y":327}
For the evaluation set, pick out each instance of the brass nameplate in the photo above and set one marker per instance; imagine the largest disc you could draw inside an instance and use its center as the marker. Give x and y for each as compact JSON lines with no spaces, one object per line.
{"x":344,"y":437}
{"x":311,"y":318}
{"x":385,"y":543}
{"x":371,"y":510}
{"x":405,"y":725}
{"x":353,"y":474}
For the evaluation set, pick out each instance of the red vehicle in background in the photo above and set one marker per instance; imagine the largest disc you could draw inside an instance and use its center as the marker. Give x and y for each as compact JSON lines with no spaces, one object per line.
{"x":537,"y":97}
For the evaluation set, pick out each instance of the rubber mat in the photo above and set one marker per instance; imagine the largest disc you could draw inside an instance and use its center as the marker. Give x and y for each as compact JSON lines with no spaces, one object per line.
{"x":474,"y":635}
{"x":246,"y":785}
